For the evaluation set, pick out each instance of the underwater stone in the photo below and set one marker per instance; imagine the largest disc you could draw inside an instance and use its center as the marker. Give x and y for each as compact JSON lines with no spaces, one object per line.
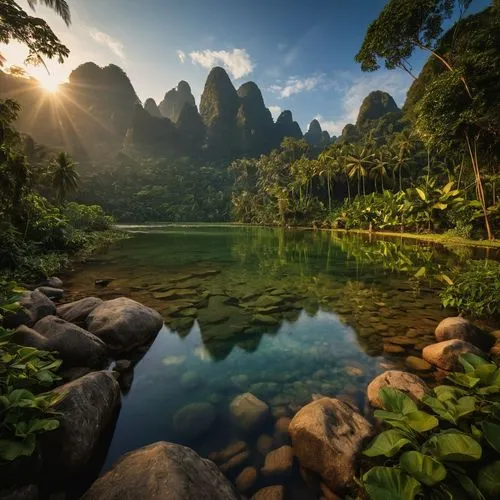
{"x":194,"y":419}
{"x":264,"y":444}
{"x":278,"y":462}
{"x":248,"y":411}
{"x":418,"y":364}
{"x":228,"y":452}
{"x":246,"y":479}
{"x":270,"y":493}
{"x":235,"y":462}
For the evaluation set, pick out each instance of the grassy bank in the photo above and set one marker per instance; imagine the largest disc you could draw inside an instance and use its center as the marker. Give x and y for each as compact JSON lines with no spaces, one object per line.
{"x":443,"y":239}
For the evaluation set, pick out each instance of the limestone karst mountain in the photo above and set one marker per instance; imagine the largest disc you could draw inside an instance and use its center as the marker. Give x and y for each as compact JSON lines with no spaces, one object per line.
{"x":315,"y":136}
{"x":152,"y":108}
{"x":191,"y":129}
{"x":375,"y":105}
{"x":174,"y":101}
{"x":254,"y":121}
{"x":219,"y":106}
{"x":286,"y":127}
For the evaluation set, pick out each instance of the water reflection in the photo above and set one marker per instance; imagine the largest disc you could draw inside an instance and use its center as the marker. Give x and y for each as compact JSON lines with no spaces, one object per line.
{"x":284,"y":315}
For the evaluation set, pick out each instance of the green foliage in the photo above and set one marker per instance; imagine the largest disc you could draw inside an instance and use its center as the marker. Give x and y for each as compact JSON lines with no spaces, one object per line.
{"x":25,"y":411}
{"x":474,"y":290}
{"x":453,"y":450}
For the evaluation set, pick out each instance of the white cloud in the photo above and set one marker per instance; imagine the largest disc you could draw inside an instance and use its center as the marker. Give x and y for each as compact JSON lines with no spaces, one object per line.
{"x":110,"y":42}
{"x":275,"y":111}
{"x":296,"y":85}
{"x":237,"y":61}
{"x":181,"y":55}
{"x":354,"y":89}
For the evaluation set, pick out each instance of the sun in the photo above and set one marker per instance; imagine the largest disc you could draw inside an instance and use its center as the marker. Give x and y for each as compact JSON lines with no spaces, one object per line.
{"x":49,"y":82}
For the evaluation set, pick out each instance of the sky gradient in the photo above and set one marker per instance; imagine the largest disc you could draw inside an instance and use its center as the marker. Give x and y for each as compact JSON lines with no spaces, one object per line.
{"x":300,"y":53}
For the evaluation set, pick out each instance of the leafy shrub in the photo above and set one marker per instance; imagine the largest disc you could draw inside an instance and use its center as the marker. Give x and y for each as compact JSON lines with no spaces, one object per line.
{"x":25,"y":372}
{"x":474,"y":290}
{"x":87,"y":217}
{"x":451,"y":451}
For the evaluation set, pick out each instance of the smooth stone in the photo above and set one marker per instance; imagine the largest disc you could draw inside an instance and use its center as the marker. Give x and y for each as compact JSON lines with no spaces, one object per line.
{"x":270,"y":493}
{"x":235,"y":462}
{"x":246,"y":479}
{"x":240,"y":381}
{"x":278,"y":462}
{"x":248,"y":411}
{"x":401,"y":340}
{"x":76,"y":346}
{"x":53,"y":282}
{"x":264,"y":444}
{"x":446,"y":355}
{"x":461,"y":329}
{"x":163,"y":471}
{"x":190,"y":380}
{"x":123,"y":365}
{"x":228,"y":452}
{"x":87,"y":409}
{"x":194,"y":420}
{"x":418,"y":364}
{"x":354,"y":371}
{"x":34,"y":306}
{"x":282,"y":425}
{"x":393,"y":349}
{"x":409,"y":383}
{"x":123,"y":323}
{"x":51,"y":293}
{"x":264,"y":319}
{"x":175,"y":294}
{"x":78,"y":311}
{"x":327,"y":436}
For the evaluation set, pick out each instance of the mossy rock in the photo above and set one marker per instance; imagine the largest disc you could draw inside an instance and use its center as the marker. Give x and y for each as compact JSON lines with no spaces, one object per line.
{"x":267,"y":301}
{"x":265,"y":319}
{"x":176,"y":293}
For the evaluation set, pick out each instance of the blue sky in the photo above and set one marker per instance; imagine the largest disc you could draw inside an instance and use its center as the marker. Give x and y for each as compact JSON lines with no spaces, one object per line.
{"x":300,"y":53}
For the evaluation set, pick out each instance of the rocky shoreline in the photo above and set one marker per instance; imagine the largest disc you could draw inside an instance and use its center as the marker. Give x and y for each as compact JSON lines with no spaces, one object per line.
{"x":95,"y":339}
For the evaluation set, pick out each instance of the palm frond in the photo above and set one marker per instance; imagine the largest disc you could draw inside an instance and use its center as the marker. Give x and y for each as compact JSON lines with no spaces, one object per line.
{"x":61,"y":7}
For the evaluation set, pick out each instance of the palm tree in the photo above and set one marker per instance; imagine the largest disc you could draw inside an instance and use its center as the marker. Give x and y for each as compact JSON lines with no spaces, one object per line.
{"x":403,"y":145}
{"x":357,"y":161}
{"x":59,"y":6}
{"x":379,"y":168}
{"x":65,"y":178}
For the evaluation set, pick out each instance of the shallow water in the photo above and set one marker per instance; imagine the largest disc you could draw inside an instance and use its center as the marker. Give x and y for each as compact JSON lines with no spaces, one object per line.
{"x":285,"y":315}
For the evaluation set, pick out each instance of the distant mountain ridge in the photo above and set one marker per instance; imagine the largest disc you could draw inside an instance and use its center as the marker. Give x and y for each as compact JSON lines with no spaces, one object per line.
{"x":97,"y":113}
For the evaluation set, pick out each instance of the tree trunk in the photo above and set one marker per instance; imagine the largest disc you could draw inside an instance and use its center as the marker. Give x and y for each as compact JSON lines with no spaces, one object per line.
{"x":479,"y":185}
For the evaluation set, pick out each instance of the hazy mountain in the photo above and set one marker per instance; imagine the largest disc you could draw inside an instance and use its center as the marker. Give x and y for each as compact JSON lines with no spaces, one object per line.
{"x":286,"y":127}
{"x":175,"y":99}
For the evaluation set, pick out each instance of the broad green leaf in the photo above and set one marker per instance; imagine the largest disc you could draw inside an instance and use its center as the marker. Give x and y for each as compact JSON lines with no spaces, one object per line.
{"x":440,"y":206}
{"x":396,"y":420}
{"x":10,"y":449}
{"x":396,"y":401}
{"x":421,"y":193}
{"x":422,"y":467}
{"x":421,"y":272}
{"x":453,"y":445}
{"x":469,"y":486}
{"x":463,"y":380}
{"x":387,"y":443}
{"x":449,"y":392}
{"x":45,"y":425}
{"x":488,"y":480}
{"x":447,"y":188}
{"x":492,"y":434}
{"x":439,"y":408}
{"x":389,"y":483}
{"x":465,"y":406}
{"x":474,"y":359}
{"x":421,"y":421}
{"x":485,"y":373}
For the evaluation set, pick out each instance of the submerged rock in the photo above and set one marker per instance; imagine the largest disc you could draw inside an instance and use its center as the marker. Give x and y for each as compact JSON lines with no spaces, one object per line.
{"x":327,"y":436}
{"x":228,"y":452}
{"x":87,"y":407}
{"x":278,"y":462}
{"x":248,"y":412}
{"x":418,"y":364}
{"x":162,"y":471}
{"x":270,"y":493}
{"x":410,"y":384}
{"x":124,"y":323}
{"x":53,"y":282}
{"x":35,"y":305}
{"x":460,"y":329}
{"x":194,"y":420}
{"x":246,"y":479}
{"x":78,"y":311}
{"x":446,"y":355}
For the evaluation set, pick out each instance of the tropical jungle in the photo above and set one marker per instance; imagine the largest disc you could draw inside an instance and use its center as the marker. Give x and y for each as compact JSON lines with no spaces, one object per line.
{"x":200,"y":300}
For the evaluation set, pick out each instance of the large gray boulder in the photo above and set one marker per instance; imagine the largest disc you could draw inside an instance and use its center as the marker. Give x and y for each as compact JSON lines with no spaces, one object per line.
{"x":78,"y":311}
{"x":410,"y":384}
{"x":87,"y":408}
{"x":51,"y":292}
{"x":461,"y":329}
{"x":123,"y":323}
{"x":446,"y":355}
{"x":76,"y":346}
{"x":35,"y":305}
{"x":327,"y":436}
{"x":162,"y":471}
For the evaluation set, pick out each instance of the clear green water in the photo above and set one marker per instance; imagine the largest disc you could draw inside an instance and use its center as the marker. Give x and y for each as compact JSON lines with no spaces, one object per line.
{"x":284,"y":315}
